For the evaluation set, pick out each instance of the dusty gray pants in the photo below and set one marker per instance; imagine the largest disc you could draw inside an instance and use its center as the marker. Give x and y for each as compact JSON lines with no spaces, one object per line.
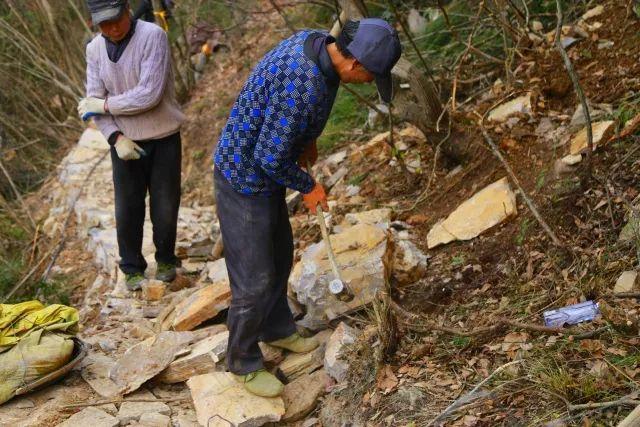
{"x":258,"y":249}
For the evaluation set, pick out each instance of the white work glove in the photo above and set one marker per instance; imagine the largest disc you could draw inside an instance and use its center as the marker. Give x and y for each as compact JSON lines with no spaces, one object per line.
{"x":90,"y":106}
{"x":127,"y":149}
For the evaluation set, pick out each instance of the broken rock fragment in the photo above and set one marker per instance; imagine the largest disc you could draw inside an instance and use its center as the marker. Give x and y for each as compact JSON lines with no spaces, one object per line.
{"x":602,"y":132}
{"x":95,"y":371}
{"x":301,"y":396}
{"x":363,"y":256}
{"x":488,"y":207}
{"x":147,"y":359}
{"x":335,"y":363}
{"x":519,"y":105}
{"x":202,"y":359}
{"x":154,"y":419}
{"x":202,"y":305}
{"x":409,"y":262}
{"x":626,"y":282}
{"x":219,"y":400}
{"x":298,"y":364}
{"x":133,"y":411}
{"x":380,"y":217}
{"x":93,"y":417}
{"x":153,"y":290}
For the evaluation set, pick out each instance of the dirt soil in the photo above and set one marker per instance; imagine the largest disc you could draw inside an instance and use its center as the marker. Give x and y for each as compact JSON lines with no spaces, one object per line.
{"x":512,"y":271}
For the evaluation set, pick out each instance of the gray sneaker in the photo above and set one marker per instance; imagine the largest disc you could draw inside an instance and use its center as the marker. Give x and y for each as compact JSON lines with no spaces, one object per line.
{"x":134,"y":281}
{"x":166,"y":272}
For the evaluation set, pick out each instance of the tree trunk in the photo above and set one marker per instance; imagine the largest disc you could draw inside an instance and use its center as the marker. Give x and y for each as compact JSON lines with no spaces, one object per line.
{"x":421,"y":105}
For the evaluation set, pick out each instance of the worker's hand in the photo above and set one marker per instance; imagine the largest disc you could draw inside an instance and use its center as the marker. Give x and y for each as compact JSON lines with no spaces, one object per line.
{"x":309,"y":155}
{"x":90,"y":106}
{"x":127,"y":149}
{"x":316,"y":197}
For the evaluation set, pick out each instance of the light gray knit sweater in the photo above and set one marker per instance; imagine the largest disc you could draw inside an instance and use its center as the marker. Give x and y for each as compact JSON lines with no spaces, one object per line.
{"x":139,"y":87}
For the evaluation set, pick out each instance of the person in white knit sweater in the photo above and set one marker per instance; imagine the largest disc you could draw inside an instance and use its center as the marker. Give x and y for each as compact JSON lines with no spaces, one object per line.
{"x":131,"y":97}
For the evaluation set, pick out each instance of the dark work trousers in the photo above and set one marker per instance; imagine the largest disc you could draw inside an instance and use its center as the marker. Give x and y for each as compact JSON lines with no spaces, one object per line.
{"x":158,"y":173}
{"x":258,"y":249}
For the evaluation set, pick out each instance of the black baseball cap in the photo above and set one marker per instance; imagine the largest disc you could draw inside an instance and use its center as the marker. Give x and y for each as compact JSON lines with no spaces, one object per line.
{"x":376,"y":46}
{"x":105,"y":10}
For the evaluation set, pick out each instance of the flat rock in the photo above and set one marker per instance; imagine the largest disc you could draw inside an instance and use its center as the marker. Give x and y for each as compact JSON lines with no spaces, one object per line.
{"x":409,"y":262}
{"x":271,"y":355}
{"x":185,"y":421}
{"x":488,"y":207}
{"x":363,"y":256}
{"x":219,"y":400}
{"x":95,"y":371}
{"x":153,"y":290}
{"x":93,"y":138}
{"x":202,"y":305}
{"x":380,"y":217}
{"x":155,"y":419}
{"x":299,"y":364}
{"x":626,"y":282}
{"x":202,"y":358}
{"x":596,"y":11}
{"x":133,"y":411}
{"x":602,"y":132}
{"x":147,"y":359}
{"x":335,"y":364}
{"x":91,"y":417}
{"x":301,"y":396}
{"x":519,"y":105}
{"x":571,"y":159}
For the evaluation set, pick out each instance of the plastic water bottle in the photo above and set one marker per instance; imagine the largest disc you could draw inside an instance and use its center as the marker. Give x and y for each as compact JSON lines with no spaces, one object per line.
{"x":571,"y":314}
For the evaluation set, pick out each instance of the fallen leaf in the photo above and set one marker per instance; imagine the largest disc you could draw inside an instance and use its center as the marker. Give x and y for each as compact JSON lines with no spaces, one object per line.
{"x":616,"y":351}
{"x":417,"y":219}
{"x":592,"y":346}
{"x":387,"y":380}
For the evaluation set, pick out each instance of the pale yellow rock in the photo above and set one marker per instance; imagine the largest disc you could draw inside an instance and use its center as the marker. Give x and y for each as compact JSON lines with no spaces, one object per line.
{"x":626,"y":282}
{"x":363,"y":255}
{"x":335,"y":363}
{"x":488,"y":207}
{"x":411,"y":132}
{"x":376,"y":216}
{"x":93,"y":138}
{"x":602,"y":132}
{"x":201,"y":305}
{"x":502,"y":112}
{"x":571,"y":159}
{"x":219,"y":399}
{"x":371,"y":147}
{"x":153,"y":290}
{"x":217,"y":272}
{"x":596,"y":11}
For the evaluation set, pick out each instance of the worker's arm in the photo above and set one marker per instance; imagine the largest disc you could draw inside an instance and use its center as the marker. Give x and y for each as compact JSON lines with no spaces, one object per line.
{"x":285,"y":119}
{"x":154,"y":74}
{"x":309,"y":156}
{"x":96,"y":88}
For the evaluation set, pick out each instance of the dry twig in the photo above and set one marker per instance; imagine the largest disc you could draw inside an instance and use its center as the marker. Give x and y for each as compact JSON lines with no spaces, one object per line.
{"x":578,"y":88}
{"x":514,"y":178}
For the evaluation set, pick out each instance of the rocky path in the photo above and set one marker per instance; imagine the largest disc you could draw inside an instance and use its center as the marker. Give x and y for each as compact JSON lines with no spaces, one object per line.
{"x":157,"y":356}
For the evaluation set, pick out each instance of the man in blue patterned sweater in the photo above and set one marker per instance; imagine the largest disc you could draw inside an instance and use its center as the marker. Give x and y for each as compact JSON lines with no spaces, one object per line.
{"x":271,"y":132}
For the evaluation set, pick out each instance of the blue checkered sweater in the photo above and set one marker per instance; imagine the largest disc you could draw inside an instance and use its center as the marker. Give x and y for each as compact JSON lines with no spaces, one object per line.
{"x":283,"y":106}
